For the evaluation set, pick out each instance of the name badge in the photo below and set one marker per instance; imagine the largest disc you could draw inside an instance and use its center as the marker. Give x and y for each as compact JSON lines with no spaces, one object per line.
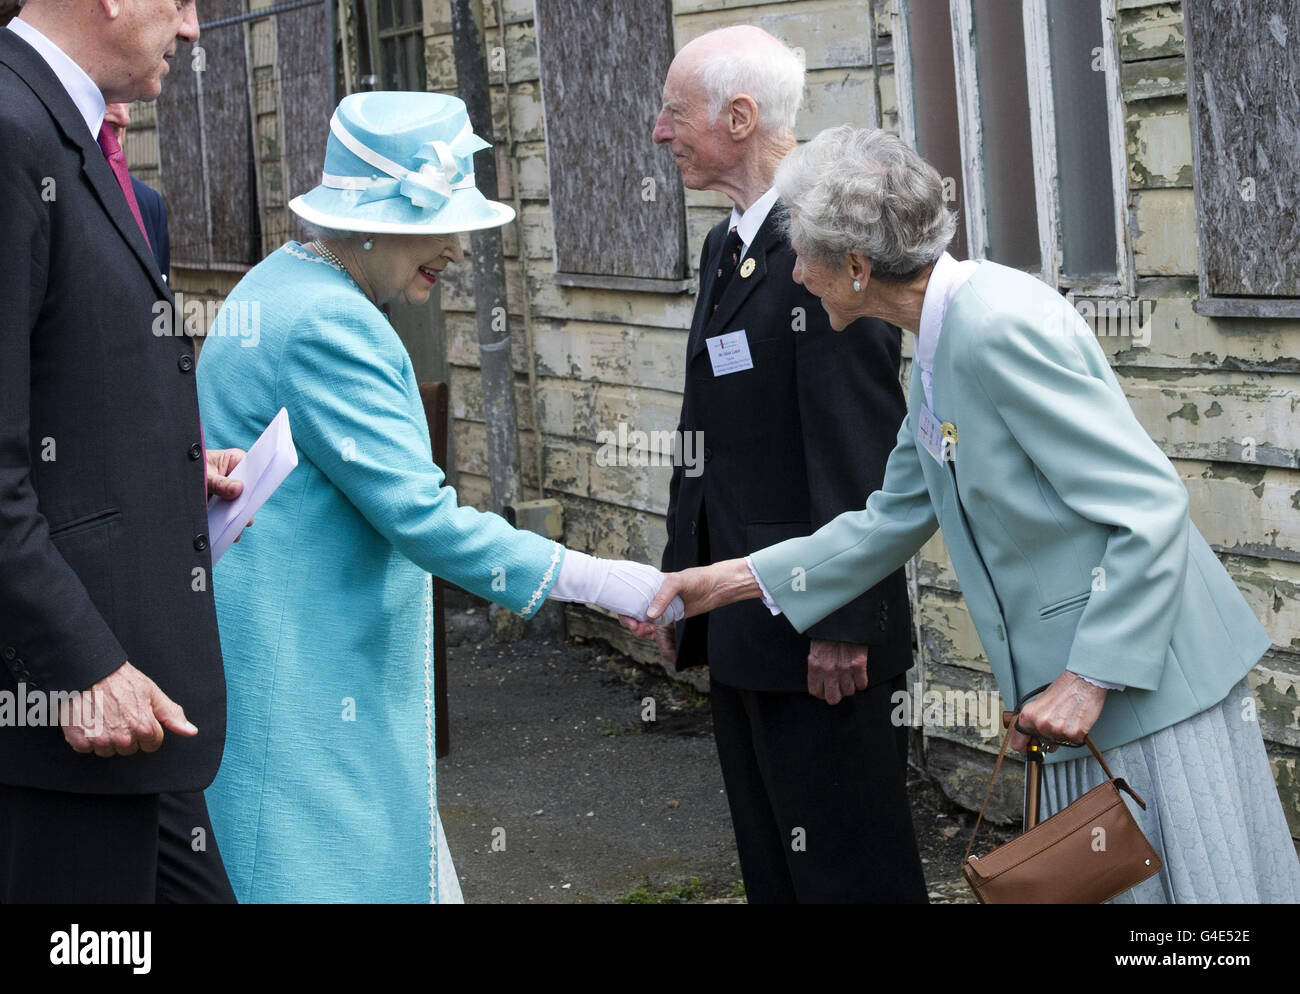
{"x":939,"y":439}
{"x":729,"y":353}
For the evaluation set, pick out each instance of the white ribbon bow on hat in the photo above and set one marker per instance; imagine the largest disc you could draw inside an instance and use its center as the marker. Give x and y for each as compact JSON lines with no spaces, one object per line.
{"x":445,"y":167}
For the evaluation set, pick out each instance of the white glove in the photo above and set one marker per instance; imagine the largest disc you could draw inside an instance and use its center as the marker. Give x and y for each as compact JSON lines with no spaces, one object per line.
{"x":624,"y":587}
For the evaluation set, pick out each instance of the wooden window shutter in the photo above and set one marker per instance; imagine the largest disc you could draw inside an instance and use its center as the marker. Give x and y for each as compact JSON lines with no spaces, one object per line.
{"x":1244,"y":98}
{"x":617,"y":201}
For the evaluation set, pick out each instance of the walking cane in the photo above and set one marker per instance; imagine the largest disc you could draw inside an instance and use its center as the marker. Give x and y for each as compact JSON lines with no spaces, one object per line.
{"x":1033,"y":772}
{"x":1033,"y":781}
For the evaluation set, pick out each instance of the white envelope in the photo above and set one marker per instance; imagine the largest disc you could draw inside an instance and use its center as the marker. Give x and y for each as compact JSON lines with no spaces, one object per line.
{"x":267,"y":464}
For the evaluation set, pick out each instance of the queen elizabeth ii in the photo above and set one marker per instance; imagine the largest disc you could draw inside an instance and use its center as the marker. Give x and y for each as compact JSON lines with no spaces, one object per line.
{"x":327,"y":788}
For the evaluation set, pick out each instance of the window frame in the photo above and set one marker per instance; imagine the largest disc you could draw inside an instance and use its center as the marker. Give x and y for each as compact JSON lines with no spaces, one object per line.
{"x":1046,"y":176}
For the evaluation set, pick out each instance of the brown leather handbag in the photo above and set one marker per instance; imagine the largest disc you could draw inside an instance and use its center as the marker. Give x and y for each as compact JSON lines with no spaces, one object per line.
{"x":1086,"y":853}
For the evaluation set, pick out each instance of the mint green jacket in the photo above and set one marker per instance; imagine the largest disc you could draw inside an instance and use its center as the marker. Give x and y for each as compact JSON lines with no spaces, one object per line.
{"x":1067,"y":526}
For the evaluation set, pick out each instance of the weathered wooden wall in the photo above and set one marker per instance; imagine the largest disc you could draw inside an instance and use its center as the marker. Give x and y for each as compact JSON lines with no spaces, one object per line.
{"x":1218,"y":395}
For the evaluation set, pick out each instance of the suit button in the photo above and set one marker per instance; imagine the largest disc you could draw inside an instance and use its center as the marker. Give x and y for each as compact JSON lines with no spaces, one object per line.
{"x":196,"y":452}
{"x":692,"y":527}
{"x":708,"y":454}
{"x":200,"y":543}
{"x":10,"y":653}
{"x":186,"y":363}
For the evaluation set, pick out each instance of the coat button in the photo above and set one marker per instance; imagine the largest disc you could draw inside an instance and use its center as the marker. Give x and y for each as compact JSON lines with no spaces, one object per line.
{"x":708,"y":454}
{"x":196,"y":452}
{"x":692,"y":527}
{"x":200,"y":543}
{"x":10,"y":653}
{"x":186,"y":363}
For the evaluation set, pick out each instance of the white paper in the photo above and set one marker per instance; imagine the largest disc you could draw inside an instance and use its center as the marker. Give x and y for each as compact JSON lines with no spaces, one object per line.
{"x":729,"y":353}
{"x":267,"y":464}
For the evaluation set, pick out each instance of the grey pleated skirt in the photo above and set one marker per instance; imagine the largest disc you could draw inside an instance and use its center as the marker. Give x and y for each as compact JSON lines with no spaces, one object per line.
{"x":1213,"y":812}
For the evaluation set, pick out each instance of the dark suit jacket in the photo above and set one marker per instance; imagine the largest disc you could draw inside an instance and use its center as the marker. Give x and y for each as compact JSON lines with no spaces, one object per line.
{"x":787,"y":446}
{"x":103,"y":546}
{"x":154,"y":213}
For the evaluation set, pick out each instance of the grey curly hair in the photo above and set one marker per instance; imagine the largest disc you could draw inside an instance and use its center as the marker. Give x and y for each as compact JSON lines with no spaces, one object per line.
{"x":863,"y":189}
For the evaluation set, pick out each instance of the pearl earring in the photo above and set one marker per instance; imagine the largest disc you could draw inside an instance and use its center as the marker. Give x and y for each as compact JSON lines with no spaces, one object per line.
{"x":368,"y":244}
{"x":857,"y":286}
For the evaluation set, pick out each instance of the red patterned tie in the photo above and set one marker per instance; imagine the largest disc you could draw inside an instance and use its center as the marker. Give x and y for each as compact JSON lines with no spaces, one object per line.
{"x":108,"y":144}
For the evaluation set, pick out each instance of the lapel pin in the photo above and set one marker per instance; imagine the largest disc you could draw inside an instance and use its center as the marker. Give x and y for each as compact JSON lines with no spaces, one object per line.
{"x":747,"y":269}
{"x":949,"y":431}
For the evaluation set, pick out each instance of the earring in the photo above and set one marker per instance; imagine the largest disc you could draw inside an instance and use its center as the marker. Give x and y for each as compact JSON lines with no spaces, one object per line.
{"x":857,"y":286}
{"x":368,"y":244}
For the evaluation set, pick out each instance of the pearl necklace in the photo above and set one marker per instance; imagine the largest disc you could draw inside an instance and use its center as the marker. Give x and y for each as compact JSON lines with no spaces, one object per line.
{"x":321,"y":250}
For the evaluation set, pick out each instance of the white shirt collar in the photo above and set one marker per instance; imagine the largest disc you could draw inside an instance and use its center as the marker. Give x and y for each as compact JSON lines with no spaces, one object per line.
{"x":81,"y":88}
{"x":748,"y":223}
{"x":946,"y":279}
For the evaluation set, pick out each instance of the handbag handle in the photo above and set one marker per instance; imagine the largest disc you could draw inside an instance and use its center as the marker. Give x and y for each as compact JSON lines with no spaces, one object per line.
{"x":1008,"y":718}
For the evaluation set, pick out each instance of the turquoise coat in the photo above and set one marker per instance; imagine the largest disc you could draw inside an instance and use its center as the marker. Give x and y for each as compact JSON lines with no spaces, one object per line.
{"x":326,"y":791}
{"x":1067,"y":526}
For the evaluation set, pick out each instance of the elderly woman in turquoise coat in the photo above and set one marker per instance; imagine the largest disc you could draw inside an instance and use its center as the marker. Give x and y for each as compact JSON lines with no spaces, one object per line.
{"x":1067,"y":527}
{"x":327,"y":789}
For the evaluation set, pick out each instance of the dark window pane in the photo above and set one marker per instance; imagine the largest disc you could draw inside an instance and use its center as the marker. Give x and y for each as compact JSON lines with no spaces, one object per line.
{"x":1008,"y":144}
{"x":1087,"y":217}
{"x":934,"y":94}
{"x":389,"y":74}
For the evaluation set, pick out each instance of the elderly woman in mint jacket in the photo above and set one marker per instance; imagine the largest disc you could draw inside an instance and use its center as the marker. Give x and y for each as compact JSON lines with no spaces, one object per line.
{"x":327,"y":789}
{"x":1067,"y":527}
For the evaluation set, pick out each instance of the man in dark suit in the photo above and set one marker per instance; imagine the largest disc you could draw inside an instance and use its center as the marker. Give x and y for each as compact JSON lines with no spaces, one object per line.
{"x":152,"y":209}
{"x":105,"y":587}
{"x":796,"y":423}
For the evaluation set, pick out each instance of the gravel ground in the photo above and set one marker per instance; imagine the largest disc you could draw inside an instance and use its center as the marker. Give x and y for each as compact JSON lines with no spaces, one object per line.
{"x":556,"y":791}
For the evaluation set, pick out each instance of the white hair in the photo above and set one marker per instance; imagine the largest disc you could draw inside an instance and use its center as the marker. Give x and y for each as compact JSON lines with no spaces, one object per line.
{"x":772,"y":74}
{"x":862,"y":189}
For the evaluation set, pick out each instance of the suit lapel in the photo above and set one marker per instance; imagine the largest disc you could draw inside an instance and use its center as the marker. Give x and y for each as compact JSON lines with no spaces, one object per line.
{"x":708,"y":277}
{"x":741,"y":286}
{"x":40,"y":78}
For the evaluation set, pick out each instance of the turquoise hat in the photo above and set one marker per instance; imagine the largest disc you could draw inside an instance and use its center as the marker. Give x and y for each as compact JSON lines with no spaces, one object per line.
{"x":401,"y":163}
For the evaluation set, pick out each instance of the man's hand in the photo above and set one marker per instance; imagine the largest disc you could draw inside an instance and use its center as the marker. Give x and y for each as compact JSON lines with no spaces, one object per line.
{"x":220,"y":464}
{"x":836,"y":669}
{"x":1062,"y":714}
{"x":123,"y":713}
{"x":664,"y":635}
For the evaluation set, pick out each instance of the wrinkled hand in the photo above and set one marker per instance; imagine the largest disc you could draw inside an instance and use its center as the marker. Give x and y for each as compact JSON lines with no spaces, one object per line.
{"x":1062,"y":714}
{"x":121,"y":714}
{"x":836,"y":669}
{"x":221,"y":462}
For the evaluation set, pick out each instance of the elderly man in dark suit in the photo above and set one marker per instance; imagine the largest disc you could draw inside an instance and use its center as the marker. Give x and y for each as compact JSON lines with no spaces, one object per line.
{"x":796,"y":424}
{"x":105,"y":587}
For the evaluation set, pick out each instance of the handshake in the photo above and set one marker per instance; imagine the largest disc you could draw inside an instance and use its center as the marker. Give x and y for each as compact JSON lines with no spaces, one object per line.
{"x":649,"y":602}
{"x":645,"y":598}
